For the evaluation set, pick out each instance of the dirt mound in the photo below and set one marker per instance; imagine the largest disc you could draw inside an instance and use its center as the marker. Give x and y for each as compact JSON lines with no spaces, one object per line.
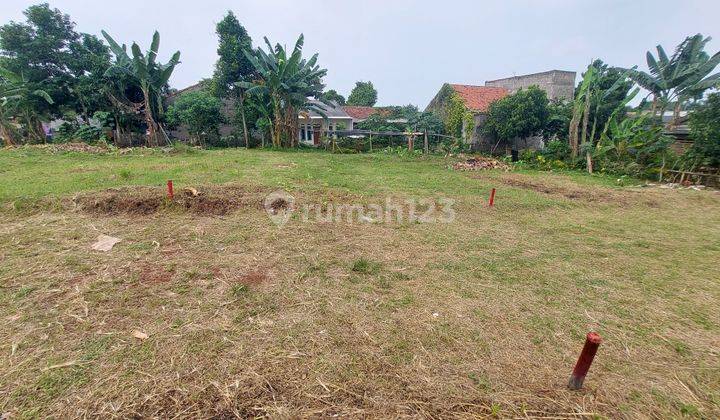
{"x":480,"y":163}
{"x":210,"y":200}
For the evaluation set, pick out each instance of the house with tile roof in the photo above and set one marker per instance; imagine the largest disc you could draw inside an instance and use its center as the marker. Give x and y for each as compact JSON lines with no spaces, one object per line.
{"x":362,"y":113}
{"x":476,"y":100}
{"x":312,"y":124}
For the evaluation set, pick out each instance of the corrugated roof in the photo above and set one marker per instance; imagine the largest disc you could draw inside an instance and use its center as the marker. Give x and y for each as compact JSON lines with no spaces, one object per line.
{"x":331,"y":111}
{"x":479,"y":98}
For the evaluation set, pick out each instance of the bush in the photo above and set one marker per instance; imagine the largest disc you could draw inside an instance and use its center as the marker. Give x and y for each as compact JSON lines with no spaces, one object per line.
{"x":636,"y":146}
{"x":88,"y":133}
{"x":556,"y":150}
{"x":200,"y":112}
{"x":705,"y":131}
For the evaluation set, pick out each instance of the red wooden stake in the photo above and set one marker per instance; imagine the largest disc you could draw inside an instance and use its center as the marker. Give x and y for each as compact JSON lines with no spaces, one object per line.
{"x":170,"y":190}
{"x":492,"y":197}
{"x":592,"y":342}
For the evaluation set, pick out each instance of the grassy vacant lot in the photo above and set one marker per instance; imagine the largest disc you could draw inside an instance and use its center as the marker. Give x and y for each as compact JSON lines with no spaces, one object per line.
{"x":483,"y":316}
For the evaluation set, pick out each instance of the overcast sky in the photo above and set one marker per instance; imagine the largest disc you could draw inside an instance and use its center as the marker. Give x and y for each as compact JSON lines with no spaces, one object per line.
{"x":408,"y":49}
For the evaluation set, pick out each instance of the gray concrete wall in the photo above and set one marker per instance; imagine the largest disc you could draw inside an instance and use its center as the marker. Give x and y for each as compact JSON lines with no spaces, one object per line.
{"x":558,"y":84}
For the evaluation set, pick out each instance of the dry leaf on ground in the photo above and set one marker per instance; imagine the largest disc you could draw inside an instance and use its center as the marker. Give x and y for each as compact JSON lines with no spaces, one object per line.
{"x":105,"y":243}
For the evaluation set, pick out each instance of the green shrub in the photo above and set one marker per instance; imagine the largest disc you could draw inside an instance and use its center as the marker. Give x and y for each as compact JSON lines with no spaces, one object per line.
{"x":556,"y":150}
{"x":70,"y":131}
{"x":705,"y":131}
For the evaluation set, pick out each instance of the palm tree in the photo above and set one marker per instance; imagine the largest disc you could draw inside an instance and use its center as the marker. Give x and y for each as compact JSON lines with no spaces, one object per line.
{"x":286,"y":82}
{"x":16,"y":99}
{"x":680,"y":77}
{"x":151,"y":76}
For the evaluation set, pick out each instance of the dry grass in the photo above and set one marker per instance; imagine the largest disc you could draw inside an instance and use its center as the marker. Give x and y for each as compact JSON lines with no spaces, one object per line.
{"x":481,"y":317}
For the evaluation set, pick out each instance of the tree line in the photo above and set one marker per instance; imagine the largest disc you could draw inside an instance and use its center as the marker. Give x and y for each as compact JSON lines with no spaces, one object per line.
{"x":599,"y":130}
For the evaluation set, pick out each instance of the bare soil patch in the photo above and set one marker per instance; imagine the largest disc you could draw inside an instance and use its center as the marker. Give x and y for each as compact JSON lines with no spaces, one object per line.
{"x":589,"y":194}
{"x":476,"y":163}
{"x":253,"y":278}
{"x":209,"y":200}
{"x":153,"y":273}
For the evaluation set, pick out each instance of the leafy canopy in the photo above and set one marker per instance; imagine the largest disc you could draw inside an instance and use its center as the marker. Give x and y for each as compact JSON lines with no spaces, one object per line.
{"x":520,"y":115}
{"x":51,"y":56}
{"x":363,"y":94}
{"x":705,"y":131}
{"x":332,"y":95}
{"x":684,"y":75}
{"x":200,"y":111}
{"x":232,"y":65}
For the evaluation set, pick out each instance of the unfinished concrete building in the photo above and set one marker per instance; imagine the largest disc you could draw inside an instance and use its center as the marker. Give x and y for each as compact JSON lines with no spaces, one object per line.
{"x":559,"y":84}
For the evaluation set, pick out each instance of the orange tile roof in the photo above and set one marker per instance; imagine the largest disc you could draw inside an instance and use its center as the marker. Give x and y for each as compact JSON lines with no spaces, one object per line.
{"x":363,"y":112}
{"x":479,"y":98}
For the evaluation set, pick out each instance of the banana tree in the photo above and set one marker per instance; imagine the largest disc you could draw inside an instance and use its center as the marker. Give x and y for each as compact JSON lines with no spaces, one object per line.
{"x":287,"y":81}
{"x":16,"y":101}
{"x":592,"y":91}
{"x":151,"y":77}
{"x":684,"y":75}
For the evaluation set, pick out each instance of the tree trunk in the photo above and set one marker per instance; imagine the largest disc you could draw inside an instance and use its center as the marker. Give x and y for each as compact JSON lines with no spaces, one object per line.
{"x":118,"y":132}
{"x":573,"y":136}
{"x":35,"y":130}
{"x":150,"y":121}
{"x":676,"y":112}
{"x":588,"y":157}
{"x":654,"y":106}
{"x":242,"y":115}
{"x":586,"y":118}
{"x":277,"y":120}
{"x":7,"y":135}
{"x":426,"y":145}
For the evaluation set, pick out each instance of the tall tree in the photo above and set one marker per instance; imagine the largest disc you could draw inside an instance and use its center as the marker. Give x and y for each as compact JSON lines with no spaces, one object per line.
{"x":90,"y":59}
{"x":232,"y":65}
{"x":286,"y":81}
{"x":589,"y":112}
{"x":332,"y":95}
{"x":54,"y":58}
{"x":363,"y":94}
{"x":614,"y":86}
{"x":47,"y":51}
{"x":152,"y":78}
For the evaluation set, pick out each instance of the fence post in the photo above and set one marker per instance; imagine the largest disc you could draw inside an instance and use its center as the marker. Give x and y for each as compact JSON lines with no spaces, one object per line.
{"x":592,"y":342}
